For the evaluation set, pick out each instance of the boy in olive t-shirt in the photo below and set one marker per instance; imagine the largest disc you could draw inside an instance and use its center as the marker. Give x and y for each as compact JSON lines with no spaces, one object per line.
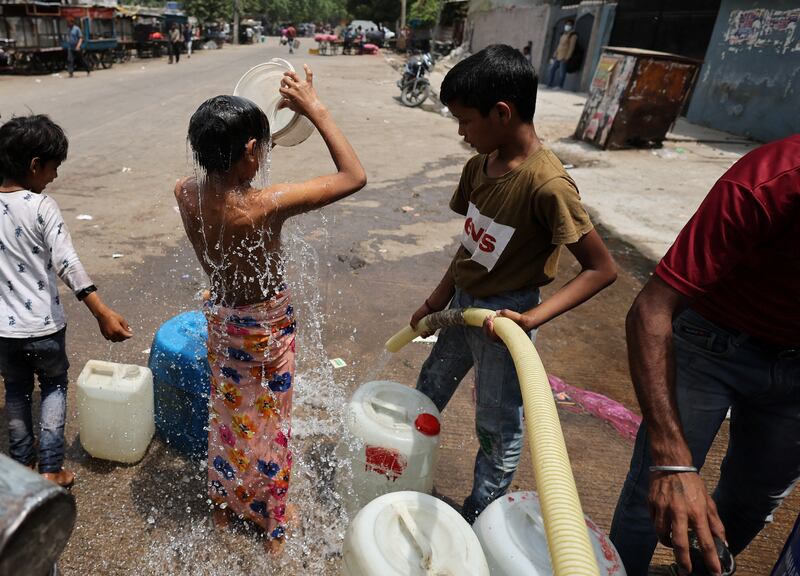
{"x":520,"y":207}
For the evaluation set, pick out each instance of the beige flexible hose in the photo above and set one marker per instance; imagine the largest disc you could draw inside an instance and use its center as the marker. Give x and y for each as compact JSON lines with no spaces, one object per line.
{"x":567,"y":537}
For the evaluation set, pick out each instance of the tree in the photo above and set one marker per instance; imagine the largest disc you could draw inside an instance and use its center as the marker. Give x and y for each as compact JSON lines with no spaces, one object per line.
{"x":273,"y":10}
{"x":425,"y":12}
{"x":387,"y":11}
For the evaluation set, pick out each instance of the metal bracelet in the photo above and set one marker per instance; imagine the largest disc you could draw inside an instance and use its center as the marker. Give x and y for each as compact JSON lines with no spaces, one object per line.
{"x":673,"y":469}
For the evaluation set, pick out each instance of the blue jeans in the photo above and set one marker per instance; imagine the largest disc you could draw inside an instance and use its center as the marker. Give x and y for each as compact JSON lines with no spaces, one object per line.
{"x":20,"y":359}
{"x":717,"y":369}
{"x":498,"y":415}
{"x":558,"y":72}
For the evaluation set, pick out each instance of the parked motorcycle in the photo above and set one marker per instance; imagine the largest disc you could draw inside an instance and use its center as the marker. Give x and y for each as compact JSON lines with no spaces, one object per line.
{"x":414,"y":86}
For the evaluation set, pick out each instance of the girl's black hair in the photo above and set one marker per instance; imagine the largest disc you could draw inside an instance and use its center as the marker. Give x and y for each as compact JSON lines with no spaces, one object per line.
{"x":221,"y":128}
{"x":27,"y":137}
{"x":498,"y":73}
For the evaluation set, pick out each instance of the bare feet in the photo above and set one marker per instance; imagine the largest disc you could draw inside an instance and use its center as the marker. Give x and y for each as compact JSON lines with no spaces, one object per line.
{"x":64,"y":478}
{"x":221,"y":517}
{"x":274,"y":546}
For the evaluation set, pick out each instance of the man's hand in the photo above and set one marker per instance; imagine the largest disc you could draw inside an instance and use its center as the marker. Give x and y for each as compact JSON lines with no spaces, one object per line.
{"x":526,"y":321}
{"x":680,"y":502}
{"x":421,"y":312}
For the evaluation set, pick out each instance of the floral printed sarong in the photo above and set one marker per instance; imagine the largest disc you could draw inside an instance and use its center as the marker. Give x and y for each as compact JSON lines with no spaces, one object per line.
{"x":252,"y":358}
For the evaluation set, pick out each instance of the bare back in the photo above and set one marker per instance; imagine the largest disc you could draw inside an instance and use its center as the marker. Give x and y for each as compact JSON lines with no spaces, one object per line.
{"x":236,"y":237}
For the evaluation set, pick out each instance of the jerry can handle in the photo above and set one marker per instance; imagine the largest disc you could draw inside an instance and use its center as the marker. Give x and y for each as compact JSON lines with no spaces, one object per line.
{"x":422,"y":545}
{"x":389,"y":407}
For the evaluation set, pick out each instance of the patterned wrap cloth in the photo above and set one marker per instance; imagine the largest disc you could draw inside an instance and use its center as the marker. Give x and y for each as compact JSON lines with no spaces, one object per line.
{"x":252,"y":358}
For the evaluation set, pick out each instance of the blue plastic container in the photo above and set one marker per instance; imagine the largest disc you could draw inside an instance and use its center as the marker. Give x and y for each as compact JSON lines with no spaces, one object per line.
{"x":182,"y":383}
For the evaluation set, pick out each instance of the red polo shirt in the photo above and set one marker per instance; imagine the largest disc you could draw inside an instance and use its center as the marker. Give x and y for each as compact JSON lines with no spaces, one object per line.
{"x":738,"y":258}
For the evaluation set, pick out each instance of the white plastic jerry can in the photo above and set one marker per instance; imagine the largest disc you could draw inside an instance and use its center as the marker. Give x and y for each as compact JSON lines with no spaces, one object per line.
{"x":512,"y":534}
{"x":115,"y":410}
{"x":392,"y":442}
{"x":411,"y":534}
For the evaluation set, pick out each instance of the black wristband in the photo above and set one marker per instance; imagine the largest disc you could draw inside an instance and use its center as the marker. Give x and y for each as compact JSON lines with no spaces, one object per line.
{"x":85,"y":292}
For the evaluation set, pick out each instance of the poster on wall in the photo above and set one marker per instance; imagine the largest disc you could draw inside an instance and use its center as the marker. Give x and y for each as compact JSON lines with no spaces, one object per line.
{"x":762,"y":29}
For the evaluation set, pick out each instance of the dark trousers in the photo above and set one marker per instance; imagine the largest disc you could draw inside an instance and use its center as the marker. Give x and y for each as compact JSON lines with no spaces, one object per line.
{"x":175,"y":51}
{"x":717,"y":369}
{"x":75,"y":58}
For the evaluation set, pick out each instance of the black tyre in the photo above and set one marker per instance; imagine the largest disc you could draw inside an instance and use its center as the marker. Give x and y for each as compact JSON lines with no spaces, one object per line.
{"x":413,"y":97}
{"x":92,"y":60}
{"x":107,"y":59}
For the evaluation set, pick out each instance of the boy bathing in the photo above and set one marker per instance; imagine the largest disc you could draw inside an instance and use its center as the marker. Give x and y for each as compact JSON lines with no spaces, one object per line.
{"x":235,"y":230}
{"x":520,"y":207}
{"x":35,"y":247}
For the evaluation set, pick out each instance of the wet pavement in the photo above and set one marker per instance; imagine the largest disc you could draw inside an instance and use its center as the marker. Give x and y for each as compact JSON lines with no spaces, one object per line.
{"x":360,"y":268}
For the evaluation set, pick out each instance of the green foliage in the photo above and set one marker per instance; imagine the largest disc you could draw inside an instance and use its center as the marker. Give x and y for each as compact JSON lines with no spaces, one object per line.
{"x":274,"y":10}
{"x":425,"y":12}
{"x":209,"y":10}
{"x":386,"y":11}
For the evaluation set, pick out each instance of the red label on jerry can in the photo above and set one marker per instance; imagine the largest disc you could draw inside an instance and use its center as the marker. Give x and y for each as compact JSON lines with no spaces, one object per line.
{"x":385,"y":461}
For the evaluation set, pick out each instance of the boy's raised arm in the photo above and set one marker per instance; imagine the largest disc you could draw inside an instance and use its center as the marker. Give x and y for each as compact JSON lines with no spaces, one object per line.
{"x":598,"y":270}
{"x":300,"y":96}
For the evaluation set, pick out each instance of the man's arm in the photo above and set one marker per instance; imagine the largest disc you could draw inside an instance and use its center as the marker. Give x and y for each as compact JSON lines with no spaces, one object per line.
{"x":678,"y":501}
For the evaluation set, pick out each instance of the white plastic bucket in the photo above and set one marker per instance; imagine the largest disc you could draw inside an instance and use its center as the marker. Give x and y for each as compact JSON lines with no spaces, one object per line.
{"x":512,"y":534}
{"x":411,"y":534}
{"x":115,"y":410}
{"x":260,"y":85}
{"x":392,"y":442}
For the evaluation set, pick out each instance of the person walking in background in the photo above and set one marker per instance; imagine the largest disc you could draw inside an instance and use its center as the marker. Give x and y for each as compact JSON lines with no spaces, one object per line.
{"x":564,"y":51}
{"x":75,"y":47}
{"x":187,"y":39}
{"x":291,"y":34}
{"x":175,"y":38}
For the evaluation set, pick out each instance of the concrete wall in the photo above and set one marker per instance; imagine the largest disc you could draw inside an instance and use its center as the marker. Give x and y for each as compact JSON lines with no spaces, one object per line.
{"x":750,"y":81}
{"x":502,"y":21}
{"x":604,"y":22}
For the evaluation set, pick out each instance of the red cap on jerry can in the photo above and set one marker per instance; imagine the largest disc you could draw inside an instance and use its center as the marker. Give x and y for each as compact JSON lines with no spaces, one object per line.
{"x":428,"y":424}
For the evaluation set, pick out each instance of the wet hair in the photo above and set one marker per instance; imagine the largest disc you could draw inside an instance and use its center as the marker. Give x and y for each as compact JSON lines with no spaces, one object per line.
{"x":498,"y":73}
{"x":27,"y":137}
{"x":221,"y":128}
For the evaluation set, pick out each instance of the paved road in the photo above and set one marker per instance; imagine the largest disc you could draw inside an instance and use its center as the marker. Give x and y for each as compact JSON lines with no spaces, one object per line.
{"x":359,"y":267}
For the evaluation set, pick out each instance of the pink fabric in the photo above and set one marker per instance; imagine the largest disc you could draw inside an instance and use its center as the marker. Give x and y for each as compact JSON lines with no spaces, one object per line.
{"x":626,"y":422}
{"x":252,"y":358}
